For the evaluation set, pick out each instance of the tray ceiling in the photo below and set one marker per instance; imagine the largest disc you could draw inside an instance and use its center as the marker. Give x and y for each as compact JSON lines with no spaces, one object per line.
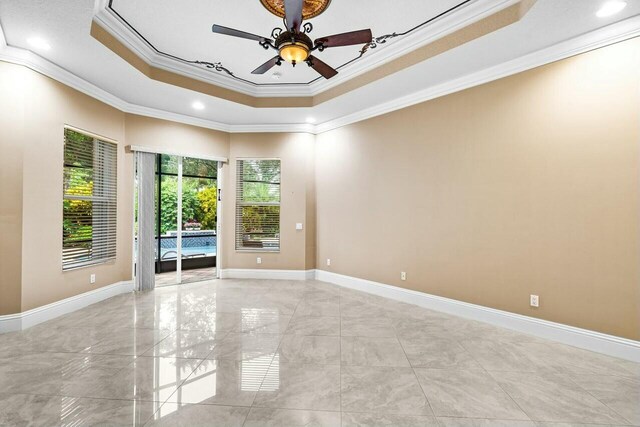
{"x":177,"y":35}
{"x":551,"y":30}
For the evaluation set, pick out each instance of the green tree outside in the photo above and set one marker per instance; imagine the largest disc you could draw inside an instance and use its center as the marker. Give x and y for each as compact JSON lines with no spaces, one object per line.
{"x":208,"y":199}
{"x":199,"y":202}
{"x":78,"y":180}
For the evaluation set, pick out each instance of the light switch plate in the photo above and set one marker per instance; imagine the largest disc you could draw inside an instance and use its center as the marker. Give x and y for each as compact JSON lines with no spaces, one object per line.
{"x":298,"y":226}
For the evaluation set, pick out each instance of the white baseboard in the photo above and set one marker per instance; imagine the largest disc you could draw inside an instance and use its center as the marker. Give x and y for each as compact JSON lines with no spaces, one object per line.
{"x":251,"y":273}
{"x":26,"y":319}
{"x":577,"y":337}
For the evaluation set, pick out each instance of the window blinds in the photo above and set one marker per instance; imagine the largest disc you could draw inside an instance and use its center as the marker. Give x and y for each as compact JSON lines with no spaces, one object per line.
{"x":89,"y":200}
{"x":258,"y":205}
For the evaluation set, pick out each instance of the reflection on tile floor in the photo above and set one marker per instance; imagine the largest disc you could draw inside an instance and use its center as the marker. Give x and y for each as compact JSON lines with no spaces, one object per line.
{"x":287,"y":353}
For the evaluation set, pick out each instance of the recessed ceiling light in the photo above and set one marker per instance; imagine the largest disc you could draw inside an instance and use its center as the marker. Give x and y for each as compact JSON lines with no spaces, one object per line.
{"x":198,"y":105}
{"x":611,"y":8}
{"x":38,"y":43}
{"x":311,"y":120}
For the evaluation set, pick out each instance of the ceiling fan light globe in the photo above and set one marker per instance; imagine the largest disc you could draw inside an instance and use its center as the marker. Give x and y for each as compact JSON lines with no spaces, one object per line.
{"x":294,"y":52}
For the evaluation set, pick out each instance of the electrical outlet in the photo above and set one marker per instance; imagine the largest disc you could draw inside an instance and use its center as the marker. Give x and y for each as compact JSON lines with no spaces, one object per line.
{"x":534,"y":300}
{"x":328,"y":261}
{"x":259,"y":260}
{"x":403,"y":275}
{"x":92,"y":279}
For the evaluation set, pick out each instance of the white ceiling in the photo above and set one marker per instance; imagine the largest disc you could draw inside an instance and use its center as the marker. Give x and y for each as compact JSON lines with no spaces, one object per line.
{"x":441,"y":16}
{"x":183,"y":29}
{"x":65,"y":25}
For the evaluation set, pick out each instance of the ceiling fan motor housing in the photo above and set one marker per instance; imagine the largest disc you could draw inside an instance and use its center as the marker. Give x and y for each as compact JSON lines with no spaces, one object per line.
{"x":294,"y":45}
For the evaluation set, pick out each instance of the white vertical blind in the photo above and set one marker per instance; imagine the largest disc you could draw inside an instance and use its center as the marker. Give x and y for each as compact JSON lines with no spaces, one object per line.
{"x":258,"y":205}
{"x":145,"y":262}
{"x":89,"y":200}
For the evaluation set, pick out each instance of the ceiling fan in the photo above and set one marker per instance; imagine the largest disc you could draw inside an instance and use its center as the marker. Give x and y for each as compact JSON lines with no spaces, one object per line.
{"x":294,"y":45}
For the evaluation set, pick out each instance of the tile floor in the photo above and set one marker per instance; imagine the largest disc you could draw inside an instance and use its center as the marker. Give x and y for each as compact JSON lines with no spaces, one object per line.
{"x":188,"y":276}
{"x":284,"y":353}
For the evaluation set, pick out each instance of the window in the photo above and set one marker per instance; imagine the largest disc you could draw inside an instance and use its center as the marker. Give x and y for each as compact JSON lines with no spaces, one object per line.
{"x":89,"y":200}
{"x":258,"y":205}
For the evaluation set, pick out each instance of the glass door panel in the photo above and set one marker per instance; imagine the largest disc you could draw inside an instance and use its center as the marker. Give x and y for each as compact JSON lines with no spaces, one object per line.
{"x":199,"y":203}
{"x":186,"y":219}
{"x":167,"y":220}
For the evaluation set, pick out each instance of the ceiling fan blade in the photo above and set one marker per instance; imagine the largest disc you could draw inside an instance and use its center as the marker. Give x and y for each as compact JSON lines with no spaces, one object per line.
{"x":293,"y":13}
{"x":346,"y":39}
{"x":219,"y":29}
{"x":267,"y":65}
{"x":323,"y":69}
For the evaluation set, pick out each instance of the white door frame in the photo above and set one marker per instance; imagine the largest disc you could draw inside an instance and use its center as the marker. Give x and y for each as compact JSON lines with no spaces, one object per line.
{"x":221,"y":162}
{"x":179,"y":221}
{"x":219,"y":216}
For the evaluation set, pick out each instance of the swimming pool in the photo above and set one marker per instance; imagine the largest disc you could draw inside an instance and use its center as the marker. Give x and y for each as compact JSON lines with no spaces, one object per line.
{"x":171,"y":253}
{"x":194,"y":244}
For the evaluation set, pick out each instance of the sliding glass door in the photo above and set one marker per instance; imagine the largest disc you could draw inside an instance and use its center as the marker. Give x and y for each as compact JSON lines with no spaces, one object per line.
{"x":186,"y":219}
{"x":199,"y":219}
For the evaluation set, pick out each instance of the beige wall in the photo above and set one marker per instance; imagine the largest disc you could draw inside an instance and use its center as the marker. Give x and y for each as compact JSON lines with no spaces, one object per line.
{"x":310,"y":213}
{"x":176,"y":137}
{"x":527,"y":185}
{"x":296,"y":152}
{"x":12,"y":83}
{"x":35,"y":110}
{"x":48,"y":106}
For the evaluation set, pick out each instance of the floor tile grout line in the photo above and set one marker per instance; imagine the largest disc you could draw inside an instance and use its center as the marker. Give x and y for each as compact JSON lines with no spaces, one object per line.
{"x":513,"y":399}
{"x":599,"y":400}
{"x":555,"y":373}
{"x":417,"y":379}
{"x":246,"y":417}
{"x":266,"y":407}
{"x":282,"y":408}
{"x":84,"y":355}
{"x":494,"y":380}
{"x":96,"y":398}
{"x":271,"y":363}
{"x":340,"y":374}
{"x":181,"y":383}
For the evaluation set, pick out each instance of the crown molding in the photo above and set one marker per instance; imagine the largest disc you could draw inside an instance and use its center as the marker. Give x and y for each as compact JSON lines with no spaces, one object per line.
{"x":35,"y":62}
{"x":611,"y":34}
{"x":175,"y":117}
{"x":114,"y":25}
{"x":614,"y":33}
{"x":3,"y":41}
{"x":274,"y":128}
{"x":441,"y":27}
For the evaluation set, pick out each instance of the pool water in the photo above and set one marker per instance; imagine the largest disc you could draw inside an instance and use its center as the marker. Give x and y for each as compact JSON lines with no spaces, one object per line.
{"x":170,"y":253}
